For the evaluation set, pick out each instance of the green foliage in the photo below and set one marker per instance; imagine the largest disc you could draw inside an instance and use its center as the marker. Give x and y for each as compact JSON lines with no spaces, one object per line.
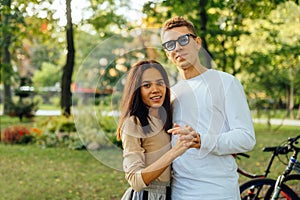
{"x":257,"y":41}
{"x":69,"y":140}
{"x":90,"y":129}
{"x":22,"y":109}
{"x":107,"y":15}
{"x":272,"y":56}
{"x":49,"y":75}
{"x":76,"y":134}
{"x":26,"y":106}
{"x":59,"y":132}
{"x":45,"y":55}
{"x":109,"y":126}
{"x":55,"y":101}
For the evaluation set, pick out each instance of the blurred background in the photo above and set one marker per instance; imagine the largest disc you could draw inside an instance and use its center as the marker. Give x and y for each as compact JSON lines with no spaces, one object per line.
{"x":64,"y":64}
{"x":44,"y":43}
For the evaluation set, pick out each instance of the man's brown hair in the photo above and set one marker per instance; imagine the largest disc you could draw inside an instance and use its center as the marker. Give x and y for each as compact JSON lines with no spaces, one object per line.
{"x":177,"y":21}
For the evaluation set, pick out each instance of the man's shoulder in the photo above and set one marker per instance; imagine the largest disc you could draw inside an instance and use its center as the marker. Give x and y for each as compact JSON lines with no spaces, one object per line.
{"x":178,"y":84}
{"x":214,"y":75}
{"x":228,"y":78}
{"x":221,"y":73}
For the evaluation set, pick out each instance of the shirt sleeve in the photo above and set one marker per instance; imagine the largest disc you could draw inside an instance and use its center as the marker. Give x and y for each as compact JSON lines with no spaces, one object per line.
{"x":133,"y":161}
{"x":240,"y":135}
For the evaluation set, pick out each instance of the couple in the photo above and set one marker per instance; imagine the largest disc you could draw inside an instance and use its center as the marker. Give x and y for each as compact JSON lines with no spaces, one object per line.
{"x":208,"y":121}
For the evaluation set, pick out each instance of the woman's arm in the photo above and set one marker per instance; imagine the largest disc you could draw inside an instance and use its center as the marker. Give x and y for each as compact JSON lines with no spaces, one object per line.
{"x":137,"y":173}
{"x":154,"y":170}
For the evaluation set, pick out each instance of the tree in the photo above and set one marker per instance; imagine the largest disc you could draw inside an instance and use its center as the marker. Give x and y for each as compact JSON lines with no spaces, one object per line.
{"x":6,"y":60}
{"x":273,"y":50}
{"x":66,"y":96}
{"x":21,"y":31}
{"x":12,"y":21}
{"x":273,"y":57}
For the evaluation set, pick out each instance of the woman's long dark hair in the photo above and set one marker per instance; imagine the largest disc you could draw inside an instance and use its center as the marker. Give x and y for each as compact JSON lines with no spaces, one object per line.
{"x":132,"y":103}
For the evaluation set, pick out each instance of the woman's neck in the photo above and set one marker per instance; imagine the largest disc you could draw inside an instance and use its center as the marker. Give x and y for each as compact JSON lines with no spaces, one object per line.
{"x":154,"y":112}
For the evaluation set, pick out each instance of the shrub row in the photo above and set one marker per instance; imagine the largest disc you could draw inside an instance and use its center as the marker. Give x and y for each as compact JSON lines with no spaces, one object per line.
{"x":61,"y":132}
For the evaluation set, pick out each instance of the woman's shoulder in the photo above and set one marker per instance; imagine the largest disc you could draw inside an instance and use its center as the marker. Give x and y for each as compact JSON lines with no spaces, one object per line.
{"x":133,"y":127}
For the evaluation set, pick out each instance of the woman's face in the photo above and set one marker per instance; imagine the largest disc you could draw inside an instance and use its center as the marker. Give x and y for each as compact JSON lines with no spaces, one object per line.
{"x":153,"y":88}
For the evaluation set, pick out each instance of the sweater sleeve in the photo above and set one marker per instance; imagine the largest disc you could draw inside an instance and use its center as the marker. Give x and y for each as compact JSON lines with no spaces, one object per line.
{"x":133,"y":160}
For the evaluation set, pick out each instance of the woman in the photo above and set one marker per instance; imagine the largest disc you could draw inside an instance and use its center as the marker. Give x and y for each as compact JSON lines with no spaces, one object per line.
{"x":146,"y":117}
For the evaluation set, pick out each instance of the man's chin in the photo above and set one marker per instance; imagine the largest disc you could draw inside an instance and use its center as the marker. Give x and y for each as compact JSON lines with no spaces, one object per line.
{"x":184,"y":65}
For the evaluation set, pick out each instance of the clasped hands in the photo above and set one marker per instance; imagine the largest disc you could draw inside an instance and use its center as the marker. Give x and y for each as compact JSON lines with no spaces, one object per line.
{"x":187,"y":135}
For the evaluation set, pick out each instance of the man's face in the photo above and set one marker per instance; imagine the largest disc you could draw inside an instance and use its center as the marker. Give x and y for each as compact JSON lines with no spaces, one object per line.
{"x":183,"y":56}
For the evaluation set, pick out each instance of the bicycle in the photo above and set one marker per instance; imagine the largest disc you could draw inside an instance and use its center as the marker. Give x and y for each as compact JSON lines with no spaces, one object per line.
{"x":287,"y":185}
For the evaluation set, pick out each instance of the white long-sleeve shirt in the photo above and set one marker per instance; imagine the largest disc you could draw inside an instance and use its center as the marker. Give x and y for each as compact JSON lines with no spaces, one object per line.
{"x":214,"y":104}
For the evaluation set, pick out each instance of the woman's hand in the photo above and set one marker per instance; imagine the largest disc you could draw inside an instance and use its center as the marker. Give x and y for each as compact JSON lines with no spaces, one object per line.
{"x":187,"y":135}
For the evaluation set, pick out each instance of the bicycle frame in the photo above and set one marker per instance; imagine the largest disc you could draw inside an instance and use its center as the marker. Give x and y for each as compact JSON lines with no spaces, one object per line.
{"x":289,"y":168}
{"x":293,"y":164}
{"x":267,"y":170}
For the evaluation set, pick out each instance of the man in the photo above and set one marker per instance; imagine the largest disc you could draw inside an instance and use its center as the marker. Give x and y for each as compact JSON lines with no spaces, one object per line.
{"x":212,"y":104}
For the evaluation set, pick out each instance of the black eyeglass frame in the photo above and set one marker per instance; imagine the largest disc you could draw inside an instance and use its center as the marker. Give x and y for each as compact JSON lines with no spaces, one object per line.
{"x":178,"y":40}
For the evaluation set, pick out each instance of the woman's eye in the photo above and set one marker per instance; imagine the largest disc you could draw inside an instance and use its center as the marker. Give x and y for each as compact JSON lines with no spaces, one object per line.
{"x":160,"y":83}
{"x":147,"y":85}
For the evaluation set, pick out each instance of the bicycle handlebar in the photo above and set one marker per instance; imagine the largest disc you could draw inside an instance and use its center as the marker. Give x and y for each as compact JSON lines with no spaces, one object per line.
{"x":243,"y":154}
{"x":281,"y":149}
{"x":286,"y":148}
{"x":277,"y":150}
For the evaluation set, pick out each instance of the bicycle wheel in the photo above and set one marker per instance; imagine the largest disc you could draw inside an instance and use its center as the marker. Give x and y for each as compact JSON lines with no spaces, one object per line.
{"x":293,"y":181}
{"x":262,"y":188}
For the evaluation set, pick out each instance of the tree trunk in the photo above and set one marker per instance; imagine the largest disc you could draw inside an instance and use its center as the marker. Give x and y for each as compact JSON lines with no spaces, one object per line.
{"x":66,"y":95}
{"x":203,"y":15}
{"x":287,"y":96}
{"x":291,"y":103}
{"x":291,"y":99}
{"x":298,"y":115}
{"x":6,"y":67}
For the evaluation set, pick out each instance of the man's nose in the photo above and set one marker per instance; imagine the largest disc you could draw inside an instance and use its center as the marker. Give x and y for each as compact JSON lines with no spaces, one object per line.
{"x":177,"y":46}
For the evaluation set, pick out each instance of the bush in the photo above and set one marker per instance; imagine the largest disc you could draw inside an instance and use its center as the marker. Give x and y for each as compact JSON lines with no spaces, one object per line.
{"x":22,"y":109}
{"x":108,"y":125}
{"x":16,"y":135}
{"x":59,"y":132}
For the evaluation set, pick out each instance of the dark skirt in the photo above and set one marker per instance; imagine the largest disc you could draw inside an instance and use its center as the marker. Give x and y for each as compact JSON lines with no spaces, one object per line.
{"x":156,"y":190}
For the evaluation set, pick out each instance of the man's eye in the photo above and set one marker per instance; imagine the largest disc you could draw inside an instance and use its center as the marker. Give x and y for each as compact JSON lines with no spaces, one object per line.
{"x":183,"y":40}
{"x":170,"y":44}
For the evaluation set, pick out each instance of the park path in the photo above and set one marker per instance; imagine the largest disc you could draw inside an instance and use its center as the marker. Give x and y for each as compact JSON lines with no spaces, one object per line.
{"x":260,"y":120}
{"x":278,"y":121}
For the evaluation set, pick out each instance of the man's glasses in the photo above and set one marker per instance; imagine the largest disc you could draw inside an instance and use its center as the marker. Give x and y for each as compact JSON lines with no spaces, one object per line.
{"x":182,"y":40}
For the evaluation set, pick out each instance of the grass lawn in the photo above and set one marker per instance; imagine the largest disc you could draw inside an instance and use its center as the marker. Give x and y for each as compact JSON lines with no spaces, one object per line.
{"x":30,"y":172}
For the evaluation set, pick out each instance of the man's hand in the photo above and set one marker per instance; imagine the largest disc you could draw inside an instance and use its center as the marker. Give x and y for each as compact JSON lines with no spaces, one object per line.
{"x":186,"y":134}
